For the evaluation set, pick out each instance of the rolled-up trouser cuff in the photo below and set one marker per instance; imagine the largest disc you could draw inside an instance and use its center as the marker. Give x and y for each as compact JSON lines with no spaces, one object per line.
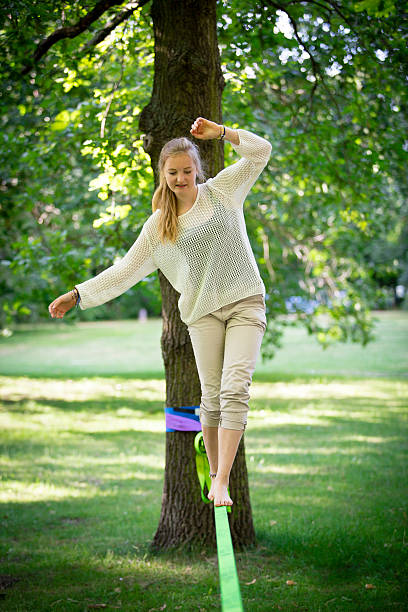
{"x":227,"y":424}
{"x":213,"y":418}
{"x":209,"y":418}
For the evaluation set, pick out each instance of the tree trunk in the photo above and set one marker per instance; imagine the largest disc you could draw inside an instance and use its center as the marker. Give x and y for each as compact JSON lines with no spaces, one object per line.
{"x":188,"y":83}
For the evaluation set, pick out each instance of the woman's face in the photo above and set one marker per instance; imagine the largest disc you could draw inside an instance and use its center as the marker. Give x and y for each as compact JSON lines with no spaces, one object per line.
{"x":180,"y":172}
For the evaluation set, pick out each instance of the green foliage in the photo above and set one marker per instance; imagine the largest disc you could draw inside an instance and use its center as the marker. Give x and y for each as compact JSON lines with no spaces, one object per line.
{"x":378,"y":8}
{"x":62,"y":174}
{"x":328,"y":218}
{"x":331,"y":98}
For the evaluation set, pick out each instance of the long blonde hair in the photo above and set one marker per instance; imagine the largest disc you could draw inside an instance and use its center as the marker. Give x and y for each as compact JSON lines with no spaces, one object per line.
{"x":163,"y":197}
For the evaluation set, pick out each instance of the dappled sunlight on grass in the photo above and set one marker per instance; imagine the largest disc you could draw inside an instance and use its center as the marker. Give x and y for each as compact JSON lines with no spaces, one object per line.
{"x":40,"y":491}
{"x":262,"y":418}
{"x":59,"y":474}
{"x":288,"y":469}
{"x":371,"y":439}
{"x":326,"y":464}
{"x":82,"y":469}
{"x":326,"y":388}
{"x":25,"y":491}
{"x":95,"y":388}
{"x":96,"y":405}
{"x":63,"y":440}
{"x":94,"y":422}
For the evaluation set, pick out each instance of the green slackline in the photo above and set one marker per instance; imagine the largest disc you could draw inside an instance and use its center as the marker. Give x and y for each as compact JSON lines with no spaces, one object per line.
{"x":203,"y":468}
{"x":230,"y":592}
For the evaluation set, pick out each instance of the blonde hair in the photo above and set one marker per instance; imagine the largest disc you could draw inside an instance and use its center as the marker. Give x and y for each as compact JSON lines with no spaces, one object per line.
{"x":163,"y":197}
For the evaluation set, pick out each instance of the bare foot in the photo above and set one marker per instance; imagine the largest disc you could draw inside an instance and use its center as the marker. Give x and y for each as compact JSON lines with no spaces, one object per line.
{"x":212,"y":489}
{"x":220,"y":494}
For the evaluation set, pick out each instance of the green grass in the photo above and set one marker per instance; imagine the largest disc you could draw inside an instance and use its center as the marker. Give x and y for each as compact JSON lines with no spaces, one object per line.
{"x":82,"y":470}
{"x":132,"y":348}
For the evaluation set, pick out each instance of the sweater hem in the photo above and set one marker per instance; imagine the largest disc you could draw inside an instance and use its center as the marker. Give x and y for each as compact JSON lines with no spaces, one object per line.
{"x":230,"y":299}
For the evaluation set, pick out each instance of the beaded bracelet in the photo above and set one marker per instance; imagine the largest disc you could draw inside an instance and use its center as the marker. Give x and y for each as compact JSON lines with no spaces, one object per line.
{"x":76,"y":296}
{"x":222,"y":136}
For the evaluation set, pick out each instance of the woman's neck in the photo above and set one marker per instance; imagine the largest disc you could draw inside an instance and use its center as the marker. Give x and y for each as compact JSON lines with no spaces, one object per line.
{"x":184,"y":204}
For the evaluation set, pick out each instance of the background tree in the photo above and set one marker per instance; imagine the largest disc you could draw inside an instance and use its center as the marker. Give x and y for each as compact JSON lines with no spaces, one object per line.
{"x":184,"y":88}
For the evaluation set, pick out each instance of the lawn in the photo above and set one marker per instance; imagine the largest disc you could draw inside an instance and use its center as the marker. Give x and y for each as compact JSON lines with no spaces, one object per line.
{"x":82,"y":460}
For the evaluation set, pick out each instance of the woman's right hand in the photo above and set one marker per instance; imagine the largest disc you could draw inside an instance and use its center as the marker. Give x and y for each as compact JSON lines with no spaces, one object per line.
{"x":205,"y":129}
{"x":61,"y":305}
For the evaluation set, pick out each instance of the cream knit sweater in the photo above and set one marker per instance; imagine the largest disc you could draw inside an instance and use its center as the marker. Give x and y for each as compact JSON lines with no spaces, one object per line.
{"x":211,"y":264}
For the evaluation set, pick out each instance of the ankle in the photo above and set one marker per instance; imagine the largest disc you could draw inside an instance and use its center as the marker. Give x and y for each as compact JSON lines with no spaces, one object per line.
{"x":222,"y":479}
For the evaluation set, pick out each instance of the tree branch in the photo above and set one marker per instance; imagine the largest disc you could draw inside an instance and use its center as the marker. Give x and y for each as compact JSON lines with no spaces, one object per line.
{"x":102,"y":34}
{"x":317,"y":71}
{"x":340,"y":12}
{"x":315,"y":66}
{"x":332,"y":7}
{"x":323,"y":6}
{"x":114,"y":89}
{"x":72,"y":31}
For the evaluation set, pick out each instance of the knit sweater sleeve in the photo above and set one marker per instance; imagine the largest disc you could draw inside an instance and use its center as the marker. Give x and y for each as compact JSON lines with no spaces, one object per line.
{"x":132,"y":268}
{"x":236,"y":180}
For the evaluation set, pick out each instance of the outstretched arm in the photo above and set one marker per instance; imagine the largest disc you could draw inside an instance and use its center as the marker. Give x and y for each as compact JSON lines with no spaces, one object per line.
{"x":112,"y":282}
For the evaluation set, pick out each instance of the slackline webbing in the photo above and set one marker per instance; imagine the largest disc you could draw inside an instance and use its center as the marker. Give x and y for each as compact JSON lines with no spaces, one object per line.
{"x":203,"y":468}
{"x":230,"y":592}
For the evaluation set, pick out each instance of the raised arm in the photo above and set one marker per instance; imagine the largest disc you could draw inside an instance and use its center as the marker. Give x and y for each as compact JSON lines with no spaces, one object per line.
{"x":236,"y":180}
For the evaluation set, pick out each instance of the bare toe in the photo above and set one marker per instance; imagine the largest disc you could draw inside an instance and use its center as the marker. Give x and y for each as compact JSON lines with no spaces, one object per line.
{"x":221,"y":497}
{"x":224,"y":502}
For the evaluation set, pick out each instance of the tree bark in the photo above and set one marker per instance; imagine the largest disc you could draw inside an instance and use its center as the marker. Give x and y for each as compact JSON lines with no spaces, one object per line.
{"x":188,"y":83}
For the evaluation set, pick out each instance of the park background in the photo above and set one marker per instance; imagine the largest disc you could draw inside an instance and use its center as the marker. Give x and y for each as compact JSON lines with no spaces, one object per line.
{"x":83,"y":436}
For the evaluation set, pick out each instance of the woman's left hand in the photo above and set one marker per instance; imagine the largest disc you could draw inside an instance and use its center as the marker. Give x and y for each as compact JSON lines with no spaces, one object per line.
{"x":205,"y":129}
{"x":61,"y":305}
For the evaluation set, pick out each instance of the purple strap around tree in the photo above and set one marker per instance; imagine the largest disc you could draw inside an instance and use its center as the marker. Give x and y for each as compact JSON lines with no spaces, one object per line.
{"x":185,"y":418}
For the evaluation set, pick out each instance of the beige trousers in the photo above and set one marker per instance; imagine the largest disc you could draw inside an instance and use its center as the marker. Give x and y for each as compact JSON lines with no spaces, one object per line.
{"x":226,"y":344}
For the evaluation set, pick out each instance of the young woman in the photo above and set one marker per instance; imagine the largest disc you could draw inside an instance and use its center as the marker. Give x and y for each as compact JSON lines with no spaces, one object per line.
{"x":197,"y":237}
